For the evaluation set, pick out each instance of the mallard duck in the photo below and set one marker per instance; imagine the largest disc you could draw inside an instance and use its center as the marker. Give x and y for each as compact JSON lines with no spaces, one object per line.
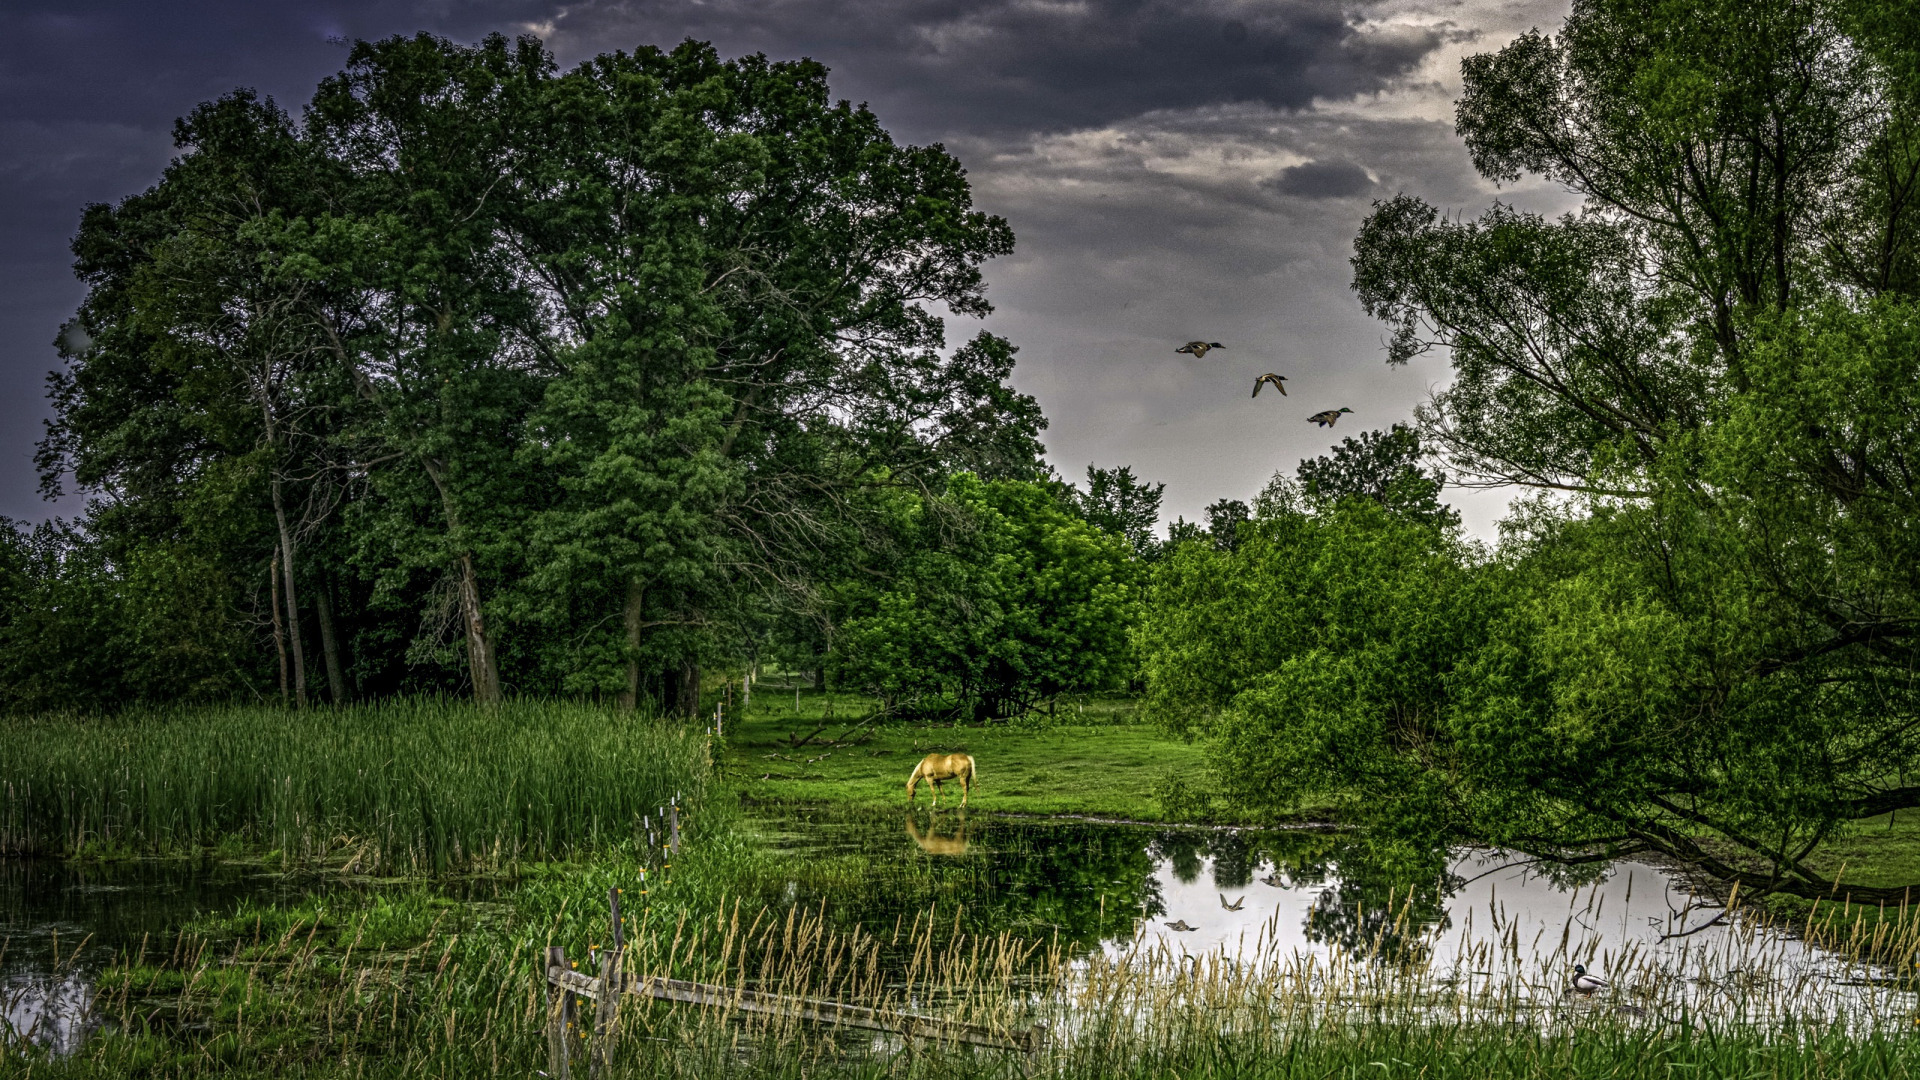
{"x":1235,"y":906}
{"x":1181,"y":925}
{"x":1274,"y":879}
{"x":1584,"y":983}
{"x":1199,"y":348}
{"x":1327,"y":417}
{"x":1279,"y":383}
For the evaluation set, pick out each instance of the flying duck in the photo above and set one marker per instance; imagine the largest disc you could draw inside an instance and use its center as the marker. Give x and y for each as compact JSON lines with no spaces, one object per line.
{"x":1180,"y":924}
{"x":1235,"y":906}
{"x":1328,"y":417}
{"x":1279,"y":383}
{"x":1199,"y":348}
{"x":1274,"y":879}
{"x":1584,"y":983}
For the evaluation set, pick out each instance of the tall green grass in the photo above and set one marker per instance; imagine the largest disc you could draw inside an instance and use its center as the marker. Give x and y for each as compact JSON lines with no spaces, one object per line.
{"x":325,"y":996}
{"x":410,"y":785}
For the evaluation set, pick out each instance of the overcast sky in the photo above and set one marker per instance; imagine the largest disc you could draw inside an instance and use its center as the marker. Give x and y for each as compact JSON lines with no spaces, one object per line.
{"x":1173,"y":169}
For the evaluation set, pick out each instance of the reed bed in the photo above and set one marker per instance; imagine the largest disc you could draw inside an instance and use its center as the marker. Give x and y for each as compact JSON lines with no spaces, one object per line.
{"x":313,"y":998}
{"x":403,"y":786}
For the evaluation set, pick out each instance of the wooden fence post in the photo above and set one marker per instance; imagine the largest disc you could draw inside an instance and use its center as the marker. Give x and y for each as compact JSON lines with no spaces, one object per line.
{"x":560,"y":1017}
{"x":612,"y":987}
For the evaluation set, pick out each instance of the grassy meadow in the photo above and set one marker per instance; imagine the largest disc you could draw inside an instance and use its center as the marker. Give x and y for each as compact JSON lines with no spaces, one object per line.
{"x":1092,"y":757}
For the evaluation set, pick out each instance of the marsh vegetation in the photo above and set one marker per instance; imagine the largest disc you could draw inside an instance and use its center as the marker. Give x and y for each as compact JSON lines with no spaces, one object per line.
{"x":1057,"y":929}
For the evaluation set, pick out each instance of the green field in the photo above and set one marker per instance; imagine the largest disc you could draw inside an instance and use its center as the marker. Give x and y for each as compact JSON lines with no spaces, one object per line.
{"x":1091,"y":757}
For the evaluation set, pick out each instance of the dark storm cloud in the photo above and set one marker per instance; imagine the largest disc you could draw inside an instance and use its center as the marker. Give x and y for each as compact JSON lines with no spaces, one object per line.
{"x":89,"y":91}
{"x":1321,"y":180}
{"x":1036,"y":65}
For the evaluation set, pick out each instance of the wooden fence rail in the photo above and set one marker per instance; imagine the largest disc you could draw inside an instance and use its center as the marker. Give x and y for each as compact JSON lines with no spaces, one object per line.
{"x":565,"y":986}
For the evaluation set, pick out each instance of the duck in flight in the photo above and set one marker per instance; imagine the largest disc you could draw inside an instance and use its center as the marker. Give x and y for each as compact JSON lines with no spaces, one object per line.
{"x":1180,"y":924}
{"x":1235,"y":906}
{"x":1279,"y":383}
{"x":1327,"y":417}
{"x":1199,"y":348}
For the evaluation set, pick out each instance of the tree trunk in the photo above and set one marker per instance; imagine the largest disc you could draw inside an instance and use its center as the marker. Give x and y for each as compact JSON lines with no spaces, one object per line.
{"x":482,"y":664}
{"x":687,"y":690}
{"x":279,"y":631}
{"x":329,"y":643}
{"x":293,"y":606}
{"x":634,"y":609}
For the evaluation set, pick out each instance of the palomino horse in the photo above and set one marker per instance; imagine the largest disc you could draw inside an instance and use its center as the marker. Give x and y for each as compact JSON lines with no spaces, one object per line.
{"x":937,"y":767}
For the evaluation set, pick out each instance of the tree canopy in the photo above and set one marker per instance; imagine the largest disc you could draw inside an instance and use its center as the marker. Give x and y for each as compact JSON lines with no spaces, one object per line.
{"x":482,"y":375}
{"x":1702,"y":645}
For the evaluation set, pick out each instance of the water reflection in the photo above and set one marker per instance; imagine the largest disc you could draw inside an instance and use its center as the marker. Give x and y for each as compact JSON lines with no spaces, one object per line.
{"x":1110,"y":892}
{"x":49,"y":1010}
{"x":932,"y":842}
{"x":62,"y":922}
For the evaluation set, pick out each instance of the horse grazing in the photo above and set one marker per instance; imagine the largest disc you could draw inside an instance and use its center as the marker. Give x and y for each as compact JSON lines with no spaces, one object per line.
{"x":937,"y":767}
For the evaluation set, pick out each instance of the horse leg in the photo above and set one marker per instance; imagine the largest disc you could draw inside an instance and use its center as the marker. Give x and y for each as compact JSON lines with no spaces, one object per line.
{"x":936,"y":791}
{"x":966,"y":787}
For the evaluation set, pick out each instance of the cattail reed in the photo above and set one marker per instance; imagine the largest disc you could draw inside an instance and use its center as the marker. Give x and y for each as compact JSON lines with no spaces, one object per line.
{"x":411,"y":785}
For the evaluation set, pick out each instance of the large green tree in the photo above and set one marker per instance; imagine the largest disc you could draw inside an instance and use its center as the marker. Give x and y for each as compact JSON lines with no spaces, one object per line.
{"x":1703,"y":647}
{"x":529,"y":380}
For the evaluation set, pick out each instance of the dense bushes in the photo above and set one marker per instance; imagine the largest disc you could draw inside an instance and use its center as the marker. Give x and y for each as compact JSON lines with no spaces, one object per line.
{"x":1004,"y":598}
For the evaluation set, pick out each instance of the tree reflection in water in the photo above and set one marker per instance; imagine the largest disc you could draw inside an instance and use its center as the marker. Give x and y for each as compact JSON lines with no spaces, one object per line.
{"x":1086,"y":884}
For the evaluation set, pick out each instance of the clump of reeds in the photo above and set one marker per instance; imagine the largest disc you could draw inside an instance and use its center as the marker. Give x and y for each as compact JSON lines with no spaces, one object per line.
{"x":422,"y":784}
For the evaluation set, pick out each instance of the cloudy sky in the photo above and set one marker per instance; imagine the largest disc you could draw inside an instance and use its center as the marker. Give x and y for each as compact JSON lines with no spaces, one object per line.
{"x":1173,"y":169}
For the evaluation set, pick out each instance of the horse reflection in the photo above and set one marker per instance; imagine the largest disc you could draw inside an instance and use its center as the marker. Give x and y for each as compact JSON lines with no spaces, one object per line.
{"x":933,"y":843}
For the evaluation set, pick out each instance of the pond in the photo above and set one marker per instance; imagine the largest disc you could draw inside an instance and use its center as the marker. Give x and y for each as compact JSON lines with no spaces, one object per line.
{"x":1496,"y":924}
{"x":60,"y":923}
{"x":1111,"y":894}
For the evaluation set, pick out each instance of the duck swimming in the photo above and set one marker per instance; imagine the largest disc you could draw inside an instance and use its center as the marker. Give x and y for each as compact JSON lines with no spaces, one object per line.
{"x":1584,"y":983}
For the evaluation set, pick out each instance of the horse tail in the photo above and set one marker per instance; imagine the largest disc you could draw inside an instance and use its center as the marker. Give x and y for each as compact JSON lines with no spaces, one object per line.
{"x":973,"y":770}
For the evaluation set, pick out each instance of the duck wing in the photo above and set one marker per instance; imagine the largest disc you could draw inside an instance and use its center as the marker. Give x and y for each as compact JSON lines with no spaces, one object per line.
{"x":1278,"y":382}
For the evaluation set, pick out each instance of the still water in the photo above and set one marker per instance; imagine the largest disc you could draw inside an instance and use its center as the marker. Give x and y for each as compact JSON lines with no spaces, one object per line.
{"x":1494,"y":924}
{"x":61,"y":923}
{"x":1108,"y":892}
